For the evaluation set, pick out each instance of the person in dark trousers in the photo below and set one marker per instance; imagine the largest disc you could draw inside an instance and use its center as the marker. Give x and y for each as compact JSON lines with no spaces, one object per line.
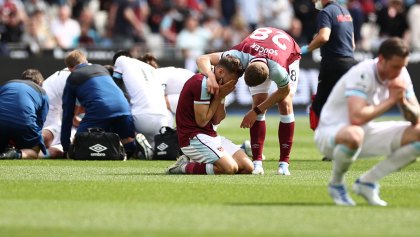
{"x":23,"y":108}
{"x":336,"y":39}
{"x":104,"y":103}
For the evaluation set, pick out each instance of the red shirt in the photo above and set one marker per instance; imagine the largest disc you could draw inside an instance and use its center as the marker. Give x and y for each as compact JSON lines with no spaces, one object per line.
{"x":271,"y":43}
{"x":193,"y":92}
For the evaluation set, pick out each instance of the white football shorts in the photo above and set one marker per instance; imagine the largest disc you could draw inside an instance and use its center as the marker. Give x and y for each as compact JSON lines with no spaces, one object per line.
{"x":381,"y":138}
{"x":294,"y":79}
{"x":206,"y":149}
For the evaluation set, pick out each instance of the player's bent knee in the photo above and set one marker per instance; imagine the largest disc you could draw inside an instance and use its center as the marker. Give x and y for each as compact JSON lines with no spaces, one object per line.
{"x":246,"y":168}
{"x":231,"y":170}
{"x":351,"y":136}
{"x":356,"y":136}
{"x":226,"y":165}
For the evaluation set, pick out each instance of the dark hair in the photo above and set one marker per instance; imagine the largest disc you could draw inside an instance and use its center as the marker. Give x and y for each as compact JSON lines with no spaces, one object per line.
{"x":256,"y":73}
{"x":120,"y":53}
{"x":232,"y":64}
{"x":33,"y":75}
{"x":150,"y":59}
{"x":109,"y":68}
{"x":393,"y":46}
{"x":119,"y":82}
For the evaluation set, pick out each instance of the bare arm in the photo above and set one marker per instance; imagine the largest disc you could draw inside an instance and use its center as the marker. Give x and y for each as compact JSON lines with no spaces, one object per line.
{"x":274,"y":98}
{"x":204,"y":65}
{"x":220,"y":113}
{"x":410,"y":110}
{"x":320,"y":39}
{"x":361,"y":112}
{"x":205,"y":113}
{"x":131,"y":17}
{"x":78,"y":110}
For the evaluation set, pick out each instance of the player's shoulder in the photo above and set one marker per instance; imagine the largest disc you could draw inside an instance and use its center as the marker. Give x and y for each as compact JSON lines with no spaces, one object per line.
{"x":196,"y":80}
{"x":57,"y":77}
{"x":362,"y":73}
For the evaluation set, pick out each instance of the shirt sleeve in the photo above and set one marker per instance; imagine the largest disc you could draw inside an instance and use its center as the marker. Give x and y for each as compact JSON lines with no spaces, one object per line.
{"x":279,"y":75}
{"x":44,"y":111}
{"x":357,"y":84}
{"x":324,"y":20}
{"x":244,"y":58}
{"x":200,"y":94}
{"x":69,"y":101}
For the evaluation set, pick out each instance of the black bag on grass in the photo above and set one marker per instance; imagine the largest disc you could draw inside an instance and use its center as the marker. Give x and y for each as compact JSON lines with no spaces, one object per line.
{"x":96,"y":144}
{"x":166,"y":144}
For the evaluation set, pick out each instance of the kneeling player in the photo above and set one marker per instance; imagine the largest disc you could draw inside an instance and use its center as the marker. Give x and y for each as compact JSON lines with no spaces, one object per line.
{"x":204,"y":151}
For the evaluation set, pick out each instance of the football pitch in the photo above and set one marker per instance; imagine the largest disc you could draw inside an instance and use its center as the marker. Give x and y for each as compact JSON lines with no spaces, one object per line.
{"x":135,"y":198}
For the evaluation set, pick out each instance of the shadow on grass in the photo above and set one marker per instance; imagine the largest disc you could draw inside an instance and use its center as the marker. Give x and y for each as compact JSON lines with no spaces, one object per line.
{"x":292,"y":161}
{"x":303,"y":204}
{"x":135,"y":174}
{"x":300,"y":204}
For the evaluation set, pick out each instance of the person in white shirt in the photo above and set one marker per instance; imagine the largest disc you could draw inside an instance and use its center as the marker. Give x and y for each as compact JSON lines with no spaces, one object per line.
{"x":192,"y":41}
{"x":65,"y":29}
{"x":147,"y":99}
{"x":172,"y":80}
{"x":347,"y":130}
{"x":51,"y":132}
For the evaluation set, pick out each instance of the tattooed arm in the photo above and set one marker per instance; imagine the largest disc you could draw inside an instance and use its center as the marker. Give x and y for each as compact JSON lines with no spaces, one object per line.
{"x":410,"y":109}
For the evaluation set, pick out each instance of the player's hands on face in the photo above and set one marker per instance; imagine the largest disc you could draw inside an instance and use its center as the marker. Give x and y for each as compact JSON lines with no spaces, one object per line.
{"x":226,"y":88}
{"x":397,"y":89}
{"x":249,"y":119}
{"x":212,"y":85}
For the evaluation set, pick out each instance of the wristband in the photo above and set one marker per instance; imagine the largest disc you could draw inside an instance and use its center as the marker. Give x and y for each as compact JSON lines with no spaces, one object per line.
{"x":257,"y":110}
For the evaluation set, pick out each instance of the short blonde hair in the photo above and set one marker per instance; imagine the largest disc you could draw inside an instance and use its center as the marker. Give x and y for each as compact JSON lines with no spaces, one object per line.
{"x":75,"y":58}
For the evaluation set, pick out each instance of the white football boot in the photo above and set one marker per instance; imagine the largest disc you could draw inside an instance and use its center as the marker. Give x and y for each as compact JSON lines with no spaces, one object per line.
{"x":339,"y":194}
{"x":258,"y":168}
{"x":370,"y":192}
{"x":144,"y":149}
{"x":283,"y":168}
{"x":176,"y":168}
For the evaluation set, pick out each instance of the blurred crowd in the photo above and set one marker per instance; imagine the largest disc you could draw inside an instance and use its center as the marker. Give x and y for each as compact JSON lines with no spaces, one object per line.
{"x":189,"y":27}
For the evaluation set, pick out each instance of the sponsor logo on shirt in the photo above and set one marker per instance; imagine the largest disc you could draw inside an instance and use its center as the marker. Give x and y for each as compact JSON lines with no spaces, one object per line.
{"x":262,"y":50}
{"x":344,"y":18}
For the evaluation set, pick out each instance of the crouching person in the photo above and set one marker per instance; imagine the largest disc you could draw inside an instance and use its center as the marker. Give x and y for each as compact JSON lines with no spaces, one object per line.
{"x":198,"y":111}
{"x":23,"y":109}
{"x":104,"y":103}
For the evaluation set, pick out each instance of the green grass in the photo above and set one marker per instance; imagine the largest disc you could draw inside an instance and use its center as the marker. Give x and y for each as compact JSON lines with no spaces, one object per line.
{"x":135,"y":198}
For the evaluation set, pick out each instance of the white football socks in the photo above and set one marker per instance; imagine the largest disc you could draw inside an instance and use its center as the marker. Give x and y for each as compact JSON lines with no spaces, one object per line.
{"x":209,"y":169}
{"x":399,"y":159}
{"x":343,"y":157}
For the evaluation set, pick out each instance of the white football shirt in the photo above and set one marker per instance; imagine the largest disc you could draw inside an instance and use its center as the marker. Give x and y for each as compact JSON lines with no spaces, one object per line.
{"x":173,"y":78}
{"x":54,"y":87}
{"x":144,"y":89}
{"x":361,"y":80}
